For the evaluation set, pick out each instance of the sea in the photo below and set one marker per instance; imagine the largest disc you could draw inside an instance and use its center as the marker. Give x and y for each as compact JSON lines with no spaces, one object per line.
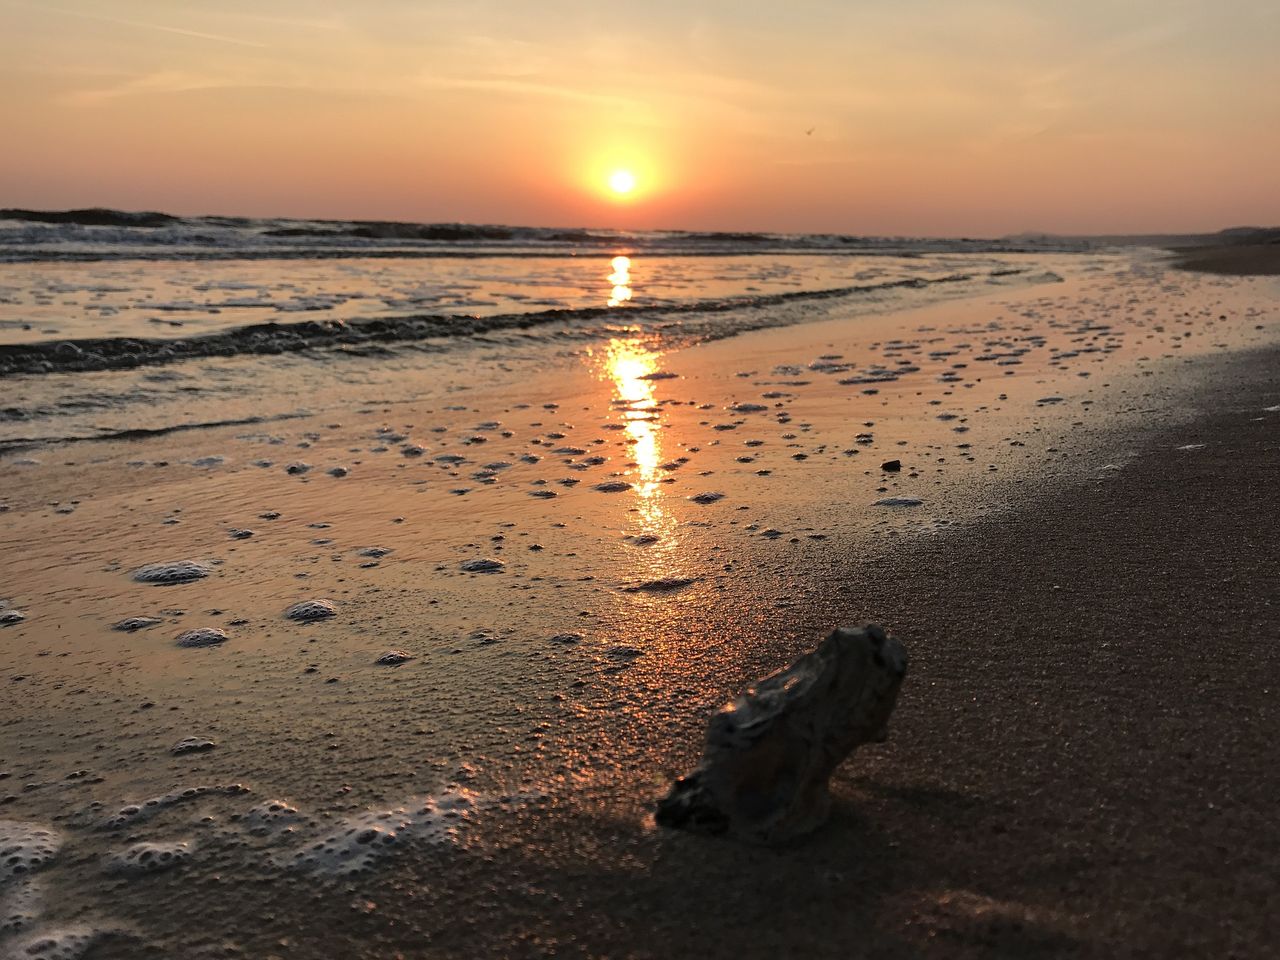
{"x":113,"y":322}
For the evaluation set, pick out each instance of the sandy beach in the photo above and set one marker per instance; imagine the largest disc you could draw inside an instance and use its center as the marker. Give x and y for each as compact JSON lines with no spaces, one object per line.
{"x":540,"y":562}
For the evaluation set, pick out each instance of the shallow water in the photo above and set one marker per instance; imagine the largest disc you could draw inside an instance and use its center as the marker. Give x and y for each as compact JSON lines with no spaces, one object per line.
{"x":98,"y":349}
{"x":178,"y":299}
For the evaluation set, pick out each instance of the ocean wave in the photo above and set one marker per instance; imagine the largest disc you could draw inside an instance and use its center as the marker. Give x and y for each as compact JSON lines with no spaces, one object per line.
{"x":92,"y":217}
{"x":115,"y":353}
{"x":94,"y":235}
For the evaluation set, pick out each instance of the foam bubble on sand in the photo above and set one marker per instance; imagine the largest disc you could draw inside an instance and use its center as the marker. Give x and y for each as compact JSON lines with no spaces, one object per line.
{"x":272,"y":818}
{"x":148,"y":857}
{"x":20,"y":907}
{"x":170,"y":572}
{"x":663,"y":585}
{"x":25,"y":847}
{"x":359,"y":841}
{"x":612,"y":486}
{"x":191,"y":745}
{"x":130,"y":624}
{"x":482,"y":565}
{"x":310,"y":611}
{"x":135,"y":813}
{"x":393,"y":658}
{"x":66,"y":943}
{"x":202,"y":637}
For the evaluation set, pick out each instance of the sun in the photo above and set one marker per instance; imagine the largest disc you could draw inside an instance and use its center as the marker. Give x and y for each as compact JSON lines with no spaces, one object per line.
{"x":622,"y":182}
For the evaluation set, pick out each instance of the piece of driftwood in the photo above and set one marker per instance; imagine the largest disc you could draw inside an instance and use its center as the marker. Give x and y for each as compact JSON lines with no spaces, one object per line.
{"x":769,"y":754}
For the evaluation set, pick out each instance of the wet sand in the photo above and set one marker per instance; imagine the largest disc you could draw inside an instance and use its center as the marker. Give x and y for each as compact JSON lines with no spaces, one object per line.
{"x":1081,"y":762}
{"x":1246,"y":259}
{"x":1078,"y":761}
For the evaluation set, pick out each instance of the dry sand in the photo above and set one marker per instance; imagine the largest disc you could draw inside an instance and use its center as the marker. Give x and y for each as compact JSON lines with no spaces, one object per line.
{"x":1080,"y":759}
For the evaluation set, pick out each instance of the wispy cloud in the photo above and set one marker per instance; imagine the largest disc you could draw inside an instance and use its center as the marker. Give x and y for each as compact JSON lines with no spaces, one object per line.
{"x":142,"y":25}
{"x":526,"y":88}
{"x":165,"y":81}
{"x":1093,"y":60}
{"x":301,"y":23}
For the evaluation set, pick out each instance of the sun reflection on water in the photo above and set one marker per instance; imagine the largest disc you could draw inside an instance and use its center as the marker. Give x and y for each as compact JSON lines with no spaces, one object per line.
{"x":621,"y":280}
{"x":630,"y":365}
{"x":654,"y":549}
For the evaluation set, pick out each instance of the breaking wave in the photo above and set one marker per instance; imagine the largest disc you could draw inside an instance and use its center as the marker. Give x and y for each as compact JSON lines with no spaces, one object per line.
{"x":116,"y":353}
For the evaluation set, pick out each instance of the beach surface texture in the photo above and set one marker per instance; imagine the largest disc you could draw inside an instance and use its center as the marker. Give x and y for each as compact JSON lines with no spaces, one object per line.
{"x":383,"y":635}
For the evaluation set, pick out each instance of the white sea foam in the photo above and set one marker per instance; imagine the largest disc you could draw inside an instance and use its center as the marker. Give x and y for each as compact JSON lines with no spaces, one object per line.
{"x":62,"y":943}
{"x":20,"y":907}
{"x":357,"y":842}
{"x":170,"y":572}
{"x":24,"y":848}
{"x":148,"y":857}
{"x":135,"y":813}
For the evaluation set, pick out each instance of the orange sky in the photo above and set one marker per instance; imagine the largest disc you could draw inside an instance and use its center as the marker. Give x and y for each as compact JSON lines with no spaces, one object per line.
{"x":927,"y":117}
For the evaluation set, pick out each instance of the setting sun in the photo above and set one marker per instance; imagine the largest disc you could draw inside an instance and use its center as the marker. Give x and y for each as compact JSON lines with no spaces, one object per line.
{"x":623,"y":174}
{"x":622,"y":182}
